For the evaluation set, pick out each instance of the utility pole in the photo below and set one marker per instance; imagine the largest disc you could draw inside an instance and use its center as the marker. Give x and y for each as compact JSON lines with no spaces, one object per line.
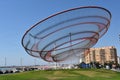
{"x":119,"y":37}
{"x":5,"y":62}
{"x":35,"y":62}
{"x":21,"y":61}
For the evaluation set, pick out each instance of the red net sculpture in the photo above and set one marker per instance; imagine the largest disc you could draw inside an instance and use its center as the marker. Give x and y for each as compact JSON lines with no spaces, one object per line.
{"x":65,"y":35}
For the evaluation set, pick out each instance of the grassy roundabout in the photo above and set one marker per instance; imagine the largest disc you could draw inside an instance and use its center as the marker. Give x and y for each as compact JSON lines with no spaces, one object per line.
{"x":77,"y":74}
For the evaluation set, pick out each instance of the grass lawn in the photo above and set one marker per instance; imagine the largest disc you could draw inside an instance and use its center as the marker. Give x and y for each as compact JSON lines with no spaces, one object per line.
{"x":77,"y":74}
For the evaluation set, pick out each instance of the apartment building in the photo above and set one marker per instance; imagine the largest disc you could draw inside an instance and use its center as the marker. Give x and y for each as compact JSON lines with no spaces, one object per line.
{"x":118,"y":58}
{"x":101,"y":55}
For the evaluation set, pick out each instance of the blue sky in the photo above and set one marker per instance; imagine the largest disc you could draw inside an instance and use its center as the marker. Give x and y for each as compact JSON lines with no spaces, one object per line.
{"x":17,"y":16}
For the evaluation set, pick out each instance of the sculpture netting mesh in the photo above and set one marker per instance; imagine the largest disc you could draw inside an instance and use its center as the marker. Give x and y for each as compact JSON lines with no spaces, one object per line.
{"x":65,"y":35}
